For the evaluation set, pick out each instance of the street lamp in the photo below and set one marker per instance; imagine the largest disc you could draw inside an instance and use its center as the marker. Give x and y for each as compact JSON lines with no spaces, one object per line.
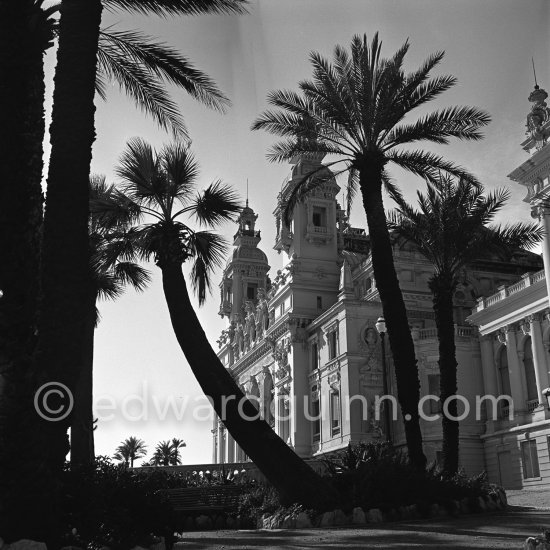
{"x":546,"y":394}
{"x":381,"y":328}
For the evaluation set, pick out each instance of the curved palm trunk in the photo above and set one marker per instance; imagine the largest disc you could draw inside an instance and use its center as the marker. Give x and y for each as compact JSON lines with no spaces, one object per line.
{"x":82,"y":424}
{"x":442,"y":288}
{"x":393,"y":306}
{"x":288,"y":473}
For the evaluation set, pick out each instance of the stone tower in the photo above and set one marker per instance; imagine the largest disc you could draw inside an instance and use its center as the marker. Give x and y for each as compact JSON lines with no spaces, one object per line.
{"x":534,"y":172}
{"x":246,"y":270}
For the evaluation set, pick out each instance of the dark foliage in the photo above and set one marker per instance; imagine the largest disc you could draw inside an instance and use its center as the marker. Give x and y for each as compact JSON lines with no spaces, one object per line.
{"x":376,"y":475}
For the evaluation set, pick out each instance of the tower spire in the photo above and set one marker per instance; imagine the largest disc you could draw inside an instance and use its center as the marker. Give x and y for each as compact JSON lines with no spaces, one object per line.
{"x":535,"y":74}
{"x":246,"y":191}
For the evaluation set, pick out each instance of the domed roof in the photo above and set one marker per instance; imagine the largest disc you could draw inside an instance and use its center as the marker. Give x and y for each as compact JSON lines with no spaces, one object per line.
{"x":247,"y":253}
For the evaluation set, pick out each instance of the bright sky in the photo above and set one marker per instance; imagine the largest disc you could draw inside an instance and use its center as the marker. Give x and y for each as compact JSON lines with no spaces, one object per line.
{"x":488,"y":45}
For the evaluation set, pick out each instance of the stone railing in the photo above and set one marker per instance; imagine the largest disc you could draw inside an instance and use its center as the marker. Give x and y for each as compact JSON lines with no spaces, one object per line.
{"x":431,"y":332}
{"x":532,"y":405}
{"x":527,"y":280}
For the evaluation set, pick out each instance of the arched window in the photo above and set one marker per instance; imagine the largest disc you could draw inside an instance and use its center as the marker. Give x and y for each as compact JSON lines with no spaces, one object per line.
{"x":529,"y":367}
{"x":503,"y":374}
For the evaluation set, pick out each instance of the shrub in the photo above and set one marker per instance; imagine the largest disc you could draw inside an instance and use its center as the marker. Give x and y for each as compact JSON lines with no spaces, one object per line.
{"x":376,"y":475}
{"x":112,"y":505}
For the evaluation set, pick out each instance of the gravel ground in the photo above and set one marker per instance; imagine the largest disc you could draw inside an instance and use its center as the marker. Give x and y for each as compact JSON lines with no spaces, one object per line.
{"x":532,"y":498}
{"x":503,"y":530}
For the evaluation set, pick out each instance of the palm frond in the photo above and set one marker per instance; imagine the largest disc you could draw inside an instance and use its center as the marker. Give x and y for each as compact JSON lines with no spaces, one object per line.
{"x":216,"y":204}
{"x":164,"y":63}
{"x":109,"y":208}
{"x":181,"y":171}
{"x":451,"y":228}
{"x":208,"y":251}
{"x":178,"y":7}
{"x":428,"y":165}
{"x":144,"y":87}
{"x":438,"y":127}
{"x":129,"y":273}
{"x":107,"y":285}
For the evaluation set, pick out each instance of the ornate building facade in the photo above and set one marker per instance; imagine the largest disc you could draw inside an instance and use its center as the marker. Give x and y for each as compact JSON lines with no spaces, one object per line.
{"x":305,"y":346}
{"x":514,"y":327}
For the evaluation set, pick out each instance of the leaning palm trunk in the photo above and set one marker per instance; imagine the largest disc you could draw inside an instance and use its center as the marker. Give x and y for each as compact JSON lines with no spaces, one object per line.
{"x":393,"y":306}
{"x":288,"y":473}
{"x":442,"y":289}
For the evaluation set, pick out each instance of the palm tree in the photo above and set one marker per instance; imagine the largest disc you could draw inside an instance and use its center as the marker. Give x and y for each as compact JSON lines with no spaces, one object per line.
{"x":177,"y":444}
{"x":452,"y":230}
{"x":114,"y":254}
{"x":72,"y":133}
{"x":26,"y":32}
{"x":162,"y":186}
{"x":353,"y":109}
{"x":164,"y":454}
{"x":130,"y":450}
{"x":66,"y":283}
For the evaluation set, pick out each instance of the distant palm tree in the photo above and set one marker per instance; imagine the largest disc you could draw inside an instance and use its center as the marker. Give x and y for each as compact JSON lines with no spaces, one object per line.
{"x":163,"y":186}
{"x":452,"y":230}
{"x":177,"y":444}
{"x":354,"y":109}
{"x":163,"y":455}
{"x":130,"y":450}
{"x":114,"y":256}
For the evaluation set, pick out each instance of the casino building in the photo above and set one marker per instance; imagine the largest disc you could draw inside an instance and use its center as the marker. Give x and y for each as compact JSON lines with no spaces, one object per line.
{"x":304,"y":344}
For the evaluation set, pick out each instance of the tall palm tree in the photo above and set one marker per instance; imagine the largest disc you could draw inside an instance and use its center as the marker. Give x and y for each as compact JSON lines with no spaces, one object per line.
{"x":353,"y":109}
{"x":452,"y":230}
{"x":114,"y":255}
{"x":129,"y":450}
{"x":26,"y":32}
{"x":163,"y":186}
{"x":72,"y":133}
{"x":66,"y":291}
{"x":177,"y":444}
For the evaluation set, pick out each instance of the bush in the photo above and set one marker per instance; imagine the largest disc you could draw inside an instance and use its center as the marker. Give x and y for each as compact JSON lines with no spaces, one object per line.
{"x":112,"y":505}
{"x":376,"y":475}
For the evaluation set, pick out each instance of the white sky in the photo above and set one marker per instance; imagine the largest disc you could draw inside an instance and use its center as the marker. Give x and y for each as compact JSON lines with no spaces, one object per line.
{"x":488,"y":44}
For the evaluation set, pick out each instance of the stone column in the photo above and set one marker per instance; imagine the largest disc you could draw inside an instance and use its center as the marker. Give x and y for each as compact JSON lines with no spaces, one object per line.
{"x":542,"y":211}
{"x":516,"y":382}
{"x":214,"y":445}
{"x":539,"y":356}
{"x":300,"y":426}
{"x":230,"y":448}
{"x":221,"y":444}
{"x":488,"y":365}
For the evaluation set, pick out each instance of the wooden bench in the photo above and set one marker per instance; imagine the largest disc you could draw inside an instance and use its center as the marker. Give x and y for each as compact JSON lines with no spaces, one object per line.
{"x":209,"y":498}
{"x":194,"y":501}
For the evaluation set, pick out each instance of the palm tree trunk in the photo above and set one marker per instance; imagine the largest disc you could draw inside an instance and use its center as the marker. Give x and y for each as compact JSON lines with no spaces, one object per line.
{"x":288,"y":473}
{"x":82,"y":424}
{"x":66,"y":281}
{"x":23,"y":475}
{"x":393,"y":306}
{"x":442,"y":288}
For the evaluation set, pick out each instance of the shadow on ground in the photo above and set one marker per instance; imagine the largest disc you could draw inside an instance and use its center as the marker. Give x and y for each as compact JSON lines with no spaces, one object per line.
{"x":501,"y":530}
